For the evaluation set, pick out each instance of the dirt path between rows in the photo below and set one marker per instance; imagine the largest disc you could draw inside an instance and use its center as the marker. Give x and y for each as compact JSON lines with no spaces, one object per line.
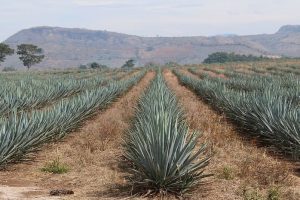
{"x":91,"y":154}
{"x":242,"y":170}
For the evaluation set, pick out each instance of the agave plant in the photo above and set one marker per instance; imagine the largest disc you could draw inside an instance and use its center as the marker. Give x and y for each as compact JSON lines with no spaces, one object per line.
{"x":160,"y":147}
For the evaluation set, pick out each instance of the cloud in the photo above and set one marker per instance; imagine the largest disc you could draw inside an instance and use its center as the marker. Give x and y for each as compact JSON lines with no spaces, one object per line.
{"x":103,"y":2}
{"x":141,"y":3}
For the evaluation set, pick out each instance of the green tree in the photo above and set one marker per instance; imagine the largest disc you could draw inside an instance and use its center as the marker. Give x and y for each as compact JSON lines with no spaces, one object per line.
{"x":5,"y":50}
{"x":129,"y":64}
{"x":30,"y":54}
{"x":222,"y":57}
{"x":94,"y":65}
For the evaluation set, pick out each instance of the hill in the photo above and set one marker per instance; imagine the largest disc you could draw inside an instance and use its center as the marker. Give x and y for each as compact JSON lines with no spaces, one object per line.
{"x":70,"y":47}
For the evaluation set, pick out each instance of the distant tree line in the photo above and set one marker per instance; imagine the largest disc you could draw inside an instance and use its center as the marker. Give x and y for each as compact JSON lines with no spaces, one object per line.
{"x":29,"y":54}
{"x":222,"y":57}
{"x":93,"y":65}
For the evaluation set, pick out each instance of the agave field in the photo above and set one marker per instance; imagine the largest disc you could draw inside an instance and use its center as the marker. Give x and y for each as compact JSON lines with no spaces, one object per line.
{"x":265,"y":105}
{"x":155,"y":139}
{"x":26,"y":93}
{"x":25,"y":125}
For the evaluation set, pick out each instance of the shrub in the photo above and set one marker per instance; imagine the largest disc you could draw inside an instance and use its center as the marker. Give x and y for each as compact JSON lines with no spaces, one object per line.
{"x":226,"y":173}
{"x":274,"y":193}
{"x":55,"y":167}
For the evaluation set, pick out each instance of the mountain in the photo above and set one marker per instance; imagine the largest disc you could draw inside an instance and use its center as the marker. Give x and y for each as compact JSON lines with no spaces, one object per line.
{"x":70,"y":47}
{"x":289,"y":29}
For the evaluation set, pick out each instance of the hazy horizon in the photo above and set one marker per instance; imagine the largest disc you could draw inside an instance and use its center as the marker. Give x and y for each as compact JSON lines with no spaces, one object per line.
{"x":167,"y":18}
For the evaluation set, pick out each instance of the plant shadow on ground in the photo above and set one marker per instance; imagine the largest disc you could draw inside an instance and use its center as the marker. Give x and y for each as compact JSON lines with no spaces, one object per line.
{"x":126,"y":190}
{"x":297,"y":171}
{"x":121,"y":191}
{"x":115,"y":190}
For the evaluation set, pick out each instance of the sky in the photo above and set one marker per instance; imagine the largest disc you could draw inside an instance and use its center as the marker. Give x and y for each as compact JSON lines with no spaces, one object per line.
{"x":151,"y":17}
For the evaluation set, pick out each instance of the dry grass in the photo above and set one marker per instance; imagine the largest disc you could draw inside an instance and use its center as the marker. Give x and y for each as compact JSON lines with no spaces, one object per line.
{"x":92,"y":154}
{"x":250,"y":167}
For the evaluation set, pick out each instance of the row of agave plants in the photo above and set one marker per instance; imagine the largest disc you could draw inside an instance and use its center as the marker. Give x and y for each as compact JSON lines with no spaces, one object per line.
{"x":245,"y":69}
{"x":54,"y":74}
{"x":160,"y":149}
{"x":266,"y":107}
{"x":24,"y":132}
{"x":282,"y":70}
{"x":287,"y":85}
{"x":31,"y":94}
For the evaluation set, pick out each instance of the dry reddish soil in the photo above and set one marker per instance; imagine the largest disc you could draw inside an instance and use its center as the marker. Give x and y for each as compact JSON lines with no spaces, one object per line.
{"x":92,"y":155}
{"x":242,"y":170}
